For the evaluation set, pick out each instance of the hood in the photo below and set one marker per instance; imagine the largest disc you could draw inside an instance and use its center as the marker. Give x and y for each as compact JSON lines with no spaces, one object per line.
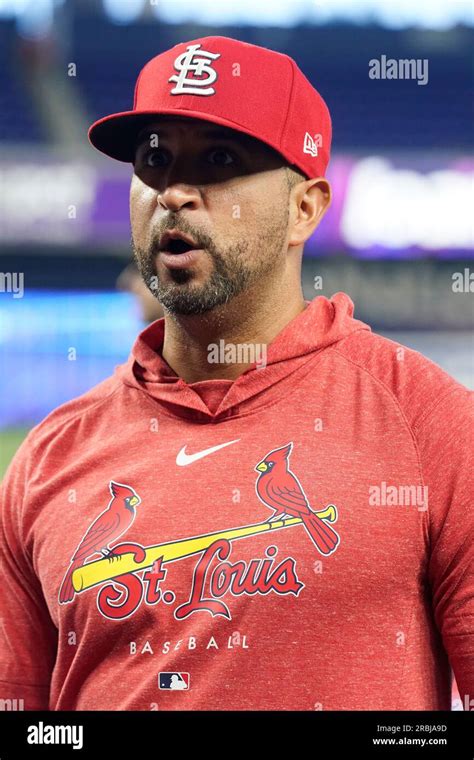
{"x":322,"y":323}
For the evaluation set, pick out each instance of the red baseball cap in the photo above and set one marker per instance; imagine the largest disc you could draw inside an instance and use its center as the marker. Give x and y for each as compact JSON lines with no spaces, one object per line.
{"x":241,"y":86}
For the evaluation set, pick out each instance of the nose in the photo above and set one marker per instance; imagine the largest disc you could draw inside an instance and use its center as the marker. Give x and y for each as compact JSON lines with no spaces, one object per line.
{"x":178,"y":196}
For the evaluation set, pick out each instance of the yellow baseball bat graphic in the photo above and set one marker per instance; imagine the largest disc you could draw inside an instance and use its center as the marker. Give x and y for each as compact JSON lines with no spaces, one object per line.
{"x":106,"y":569}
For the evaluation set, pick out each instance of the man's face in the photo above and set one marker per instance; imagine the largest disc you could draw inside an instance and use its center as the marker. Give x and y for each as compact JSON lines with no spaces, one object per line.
{"x":225,"y":190}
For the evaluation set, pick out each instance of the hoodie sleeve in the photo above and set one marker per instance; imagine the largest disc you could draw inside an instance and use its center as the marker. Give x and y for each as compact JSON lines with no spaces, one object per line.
{"x":28,"y":637}
{"x":445,"y":438}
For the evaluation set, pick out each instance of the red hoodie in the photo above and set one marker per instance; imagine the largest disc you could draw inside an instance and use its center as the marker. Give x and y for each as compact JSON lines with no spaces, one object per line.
{"x":352,"y":598}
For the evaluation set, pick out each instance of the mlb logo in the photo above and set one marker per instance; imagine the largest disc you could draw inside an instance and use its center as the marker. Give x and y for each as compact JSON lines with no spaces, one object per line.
{"x":173,"y":681}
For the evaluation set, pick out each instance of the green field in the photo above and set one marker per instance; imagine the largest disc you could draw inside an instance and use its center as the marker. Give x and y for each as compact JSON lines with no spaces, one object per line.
{"x":10,"y":439}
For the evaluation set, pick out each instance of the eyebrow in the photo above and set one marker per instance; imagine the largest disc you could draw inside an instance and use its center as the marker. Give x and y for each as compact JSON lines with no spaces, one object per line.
{"x":208,"y":134}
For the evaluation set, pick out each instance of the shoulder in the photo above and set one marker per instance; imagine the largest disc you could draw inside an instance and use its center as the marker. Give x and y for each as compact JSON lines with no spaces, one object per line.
{"x":417,"y":384}
{"x":61,"y":425}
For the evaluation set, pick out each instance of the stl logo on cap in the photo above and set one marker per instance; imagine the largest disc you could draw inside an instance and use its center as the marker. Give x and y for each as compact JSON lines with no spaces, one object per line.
{"x":194,"y":60}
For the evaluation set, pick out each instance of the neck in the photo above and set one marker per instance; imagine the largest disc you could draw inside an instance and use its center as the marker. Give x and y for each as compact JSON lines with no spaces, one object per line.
{"x":250,"y":318}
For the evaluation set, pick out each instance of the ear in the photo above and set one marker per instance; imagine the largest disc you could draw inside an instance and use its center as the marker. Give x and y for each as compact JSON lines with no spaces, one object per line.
{"x":309,"y":201}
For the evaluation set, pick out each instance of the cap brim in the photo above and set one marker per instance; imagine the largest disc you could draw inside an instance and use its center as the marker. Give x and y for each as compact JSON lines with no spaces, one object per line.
{"x":116,"y":135}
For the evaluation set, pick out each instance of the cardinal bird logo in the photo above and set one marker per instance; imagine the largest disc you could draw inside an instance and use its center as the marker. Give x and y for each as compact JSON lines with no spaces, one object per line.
{"x":107,"y":527}
{"x":279,"y":488}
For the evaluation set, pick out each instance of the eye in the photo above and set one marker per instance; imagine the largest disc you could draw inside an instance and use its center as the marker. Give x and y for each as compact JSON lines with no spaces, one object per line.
{"x":221,"y":154}
{"x":155,"y":157}
{"x":158,"y":157}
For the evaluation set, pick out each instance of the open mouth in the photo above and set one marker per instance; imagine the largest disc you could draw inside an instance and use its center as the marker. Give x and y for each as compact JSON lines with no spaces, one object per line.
{"x":177,"y":245}
{"x":174,"y":242}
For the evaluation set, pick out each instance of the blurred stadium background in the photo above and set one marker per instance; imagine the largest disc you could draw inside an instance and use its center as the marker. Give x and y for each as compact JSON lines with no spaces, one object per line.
{"x":398,"y":237}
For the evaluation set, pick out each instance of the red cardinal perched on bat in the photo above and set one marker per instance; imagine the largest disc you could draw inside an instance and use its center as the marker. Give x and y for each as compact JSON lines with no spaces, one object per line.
{"x":107,"y":527}
{"x":281,"y":490}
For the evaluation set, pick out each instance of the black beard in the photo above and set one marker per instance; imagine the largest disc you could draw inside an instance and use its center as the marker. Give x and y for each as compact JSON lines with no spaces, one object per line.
{"x":224,"y":283}
{"x":228,"y":278}
{"x":233,"y":272}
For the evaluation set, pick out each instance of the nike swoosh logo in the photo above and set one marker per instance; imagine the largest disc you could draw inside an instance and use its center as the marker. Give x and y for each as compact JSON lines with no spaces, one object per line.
{"x":183,"y":459}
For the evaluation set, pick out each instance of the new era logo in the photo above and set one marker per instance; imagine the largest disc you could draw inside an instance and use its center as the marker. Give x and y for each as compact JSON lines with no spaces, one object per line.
{"x":311,"y":145}
{"x":173,"y":681}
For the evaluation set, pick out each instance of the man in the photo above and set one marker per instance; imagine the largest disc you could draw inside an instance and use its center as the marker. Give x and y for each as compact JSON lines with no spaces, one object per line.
{"x":268,"y":506}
